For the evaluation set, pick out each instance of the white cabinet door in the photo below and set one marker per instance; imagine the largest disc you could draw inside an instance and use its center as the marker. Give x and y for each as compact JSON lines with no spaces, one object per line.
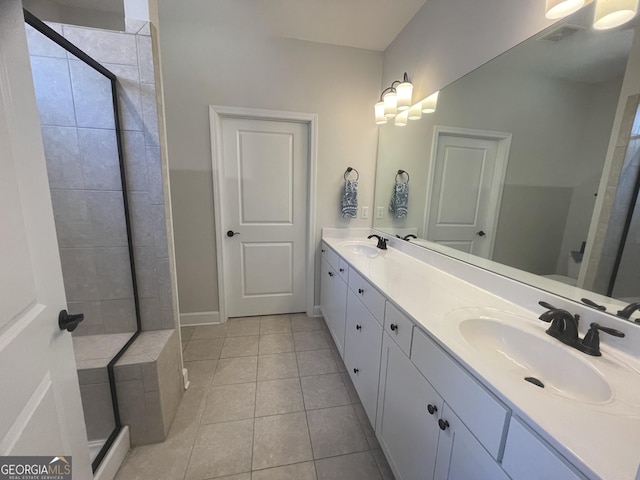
{"x":333,"y":303}
{"x":407,"y":431}
{"x":460,"y":454}
{"x":528,"y":457}
{"x":363,"y":343}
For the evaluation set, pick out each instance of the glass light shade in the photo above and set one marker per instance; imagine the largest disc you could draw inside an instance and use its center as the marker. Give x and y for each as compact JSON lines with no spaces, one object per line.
{"x":404,"y":91}
{"x":430,"y":103}
{"x":561,"y":8}
{"x":402,"y":118}
{"x":613,"y":13}
{"x":390,"y":104}
{"x":379,"y":109}
{"x":415,"y":112}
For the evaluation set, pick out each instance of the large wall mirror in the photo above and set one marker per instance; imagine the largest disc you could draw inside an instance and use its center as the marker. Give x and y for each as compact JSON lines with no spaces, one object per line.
{"x":529,"y":166}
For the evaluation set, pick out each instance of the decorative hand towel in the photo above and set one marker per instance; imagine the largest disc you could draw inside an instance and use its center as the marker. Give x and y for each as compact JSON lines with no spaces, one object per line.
{"x":350,"y":199}
{"x":400,"y":198}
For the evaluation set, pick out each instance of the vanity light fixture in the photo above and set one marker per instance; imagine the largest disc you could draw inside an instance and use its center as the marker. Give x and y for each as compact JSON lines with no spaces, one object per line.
{"x":561,"y":8}
{"x":415,"y":112}
{"x":394,"y":99}
{"x":612,"y":13}
{"x":402,"y":118}
{"x":609,"y":13}
{"x":430,"y":103}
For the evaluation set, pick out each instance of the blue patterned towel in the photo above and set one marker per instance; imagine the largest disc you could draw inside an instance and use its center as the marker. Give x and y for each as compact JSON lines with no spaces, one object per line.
{"x":399,"y":200}
{"x":349,"y":202}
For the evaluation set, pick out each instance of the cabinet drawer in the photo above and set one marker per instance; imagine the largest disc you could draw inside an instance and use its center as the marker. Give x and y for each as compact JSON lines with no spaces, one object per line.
{"x":528,"y":457}
{"x":399,"y":327}
{"x":343,"y":270}
{"x":330,"y":256}
{"x":367,"y":294}
{"x":480,"y":411}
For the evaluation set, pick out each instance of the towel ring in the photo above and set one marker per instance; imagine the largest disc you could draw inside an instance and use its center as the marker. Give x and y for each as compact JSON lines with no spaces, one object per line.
{"x":402,"y":172}
{"x":349,"y":170}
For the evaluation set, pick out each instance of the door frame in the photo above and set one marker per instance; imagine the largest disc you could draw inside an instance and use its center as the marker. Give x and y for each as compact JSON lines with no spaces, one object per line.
{"x":216,"y":114}
{"x":499,"y":174}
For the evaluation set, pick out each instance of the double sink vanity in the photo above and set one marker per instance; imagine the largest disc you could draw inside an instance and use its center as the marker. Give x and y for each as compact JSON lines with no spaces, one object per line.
{"x":458,"y":377}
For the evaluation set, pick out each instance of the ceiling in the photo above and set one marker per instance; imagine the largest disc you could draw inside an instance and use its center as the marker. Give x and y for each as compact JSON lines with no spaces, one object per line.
{"x":368,"y":24}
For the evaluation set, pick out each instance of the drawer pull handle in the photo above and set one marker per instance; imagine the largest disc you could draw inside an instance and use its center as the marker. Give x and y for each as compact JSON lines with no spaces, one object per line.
{"x":330,"y":274}
{"x":358,"y":327}
{"x":393,"y":327}
{"x":432,"y":409}
{"x":444,"y":424}
{"x":356,"y":370}
{"x":360,"y":291}
{"x":342,"y":270}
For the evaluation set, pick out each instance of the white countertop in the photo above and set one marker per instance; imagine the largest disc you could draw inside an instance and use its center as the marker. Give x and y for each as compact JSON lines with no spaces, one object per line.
{"x":601,"y":439}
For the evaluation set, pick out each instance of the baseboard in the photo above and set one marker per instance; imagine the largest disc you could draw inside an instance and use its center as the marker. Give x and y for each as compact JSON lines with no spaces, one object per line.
{"x":199,"y":318}
{"x":115,"y":456}
{"x":316,"y":311}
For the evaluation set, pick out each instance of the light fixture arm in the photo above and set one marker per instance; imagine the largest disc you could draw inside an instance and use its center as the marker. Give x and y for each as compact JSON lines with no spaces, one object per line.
{"x":394,"y":84}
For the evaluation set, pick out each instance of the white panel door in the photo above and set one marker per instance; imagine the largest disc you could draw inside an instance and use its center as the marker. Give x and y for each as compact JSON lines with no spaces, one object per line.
{"x":40,"y":396}
{"x":264,"y":195}
{"x":459,"y":205}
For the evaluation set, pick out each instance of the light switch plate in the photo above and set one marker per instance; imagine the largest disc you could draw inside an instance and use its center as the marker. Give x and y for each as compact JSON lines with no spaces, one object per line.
{"x":379,"y":212}
{"x":365,"y":212}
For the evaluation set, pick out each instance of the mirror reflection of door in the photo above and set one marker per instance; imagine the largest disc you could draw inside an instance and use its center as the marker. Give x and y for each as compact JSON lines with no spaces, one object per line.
{"x":463,"y":199}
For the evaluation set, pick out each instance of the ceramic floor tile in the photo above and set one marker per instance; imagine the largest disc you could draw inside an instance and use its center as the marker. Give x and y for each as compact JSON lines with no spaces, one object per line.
{"x":297,"y":471}
{"x":323,"y":391}
{"x":281,"y":440}
{"x":383,"y":465}
{"x":280,"y":365}
{"x":236,"y":370}
{"x":240,"y":346}
{"x":239,"y":327}
{"x":209,"y":331}
{"x":275,"y":324}
{"x":356,"y":466}
{"x":276,"y":343}
{"x":275,"y":397}
{"x":230,"y":402}
{"x":335,"y":431}
{"x":201,"y":372}
{"x":221,"y":449}
{"x":367,"y":429}
{"x":316,"y":362}
{"x":203,"y":349}
{"x":353,"y":394}
{"x":190,"y":408}
{"x":155,"y":461}
{"x":186,"y":333}
{"x":311,"y":340}
{"x":301,"y":323}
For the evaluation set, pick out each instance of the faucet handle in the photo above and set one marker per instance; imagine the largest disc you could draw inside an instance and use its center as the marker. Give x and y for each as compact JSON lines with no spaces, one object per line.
{"x":591,"y":341}
{"x":546,"y":305}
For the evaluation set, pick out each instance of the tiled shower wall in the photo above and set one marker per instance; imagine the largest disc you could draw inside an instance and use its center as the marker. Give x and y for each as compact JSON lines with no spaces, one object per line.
{"x":80,"y":150}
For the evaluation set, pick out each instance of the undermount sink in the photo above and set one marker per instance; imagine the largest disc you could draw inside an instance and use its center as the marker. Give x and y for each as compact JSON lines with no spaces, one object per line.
{"x":526,"y":356}
{"x":360,"y":247}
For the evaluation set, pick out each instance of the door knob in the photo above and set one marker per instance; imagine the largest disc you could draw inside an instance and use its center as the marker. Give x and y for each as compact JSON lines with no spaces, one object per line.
{"x":231,"y":233}
{"x":480,"y":233}
{"x":69,"y":322}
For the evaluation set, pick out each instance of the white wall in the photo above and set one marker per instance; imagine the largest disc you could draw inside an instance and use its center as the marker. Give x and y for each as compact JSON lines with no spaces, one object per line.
{"x":203,"y":66}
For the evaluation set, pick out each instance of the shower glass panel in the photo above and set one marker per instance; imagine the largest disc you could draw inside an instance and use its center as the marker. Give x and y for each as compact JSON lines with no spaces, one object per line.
{"x":79,"y":124}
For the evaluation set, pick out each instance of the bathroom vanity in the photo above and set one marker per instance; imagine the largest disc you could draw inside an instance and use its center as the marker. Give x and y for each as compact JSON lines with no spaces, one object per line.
{"x":439,"y":350}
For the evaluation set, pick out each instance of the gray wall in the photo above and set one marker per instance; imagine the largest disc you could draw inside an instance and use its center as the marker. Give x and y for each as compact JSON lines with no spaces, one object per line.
{"x":202,"y":66}
{"x":84,"y":175}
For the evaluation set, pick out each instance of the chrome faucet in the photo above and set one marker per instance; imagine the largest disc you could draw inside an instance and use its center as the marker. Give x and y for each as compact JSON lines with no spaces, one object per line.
{"x":382,"y":242}
{"x":564,"y":327}
{"x":627,"y":311}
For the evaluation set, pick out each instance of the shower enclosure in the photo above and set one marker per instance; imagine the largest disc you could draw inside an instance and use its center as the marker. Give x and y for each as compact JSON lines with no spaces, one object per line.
{"x":77,"y":102}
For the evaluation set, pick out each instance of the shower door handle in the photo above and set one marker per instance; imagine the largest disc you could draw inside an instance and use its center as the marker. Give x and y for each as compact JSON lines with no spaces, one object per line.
{"x":69,"y":322}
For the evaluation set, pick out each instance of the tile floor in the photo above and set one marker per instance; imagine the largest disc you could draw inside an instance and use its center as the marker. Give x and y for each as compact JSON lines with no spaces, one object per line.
{"x":269,"y":400}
